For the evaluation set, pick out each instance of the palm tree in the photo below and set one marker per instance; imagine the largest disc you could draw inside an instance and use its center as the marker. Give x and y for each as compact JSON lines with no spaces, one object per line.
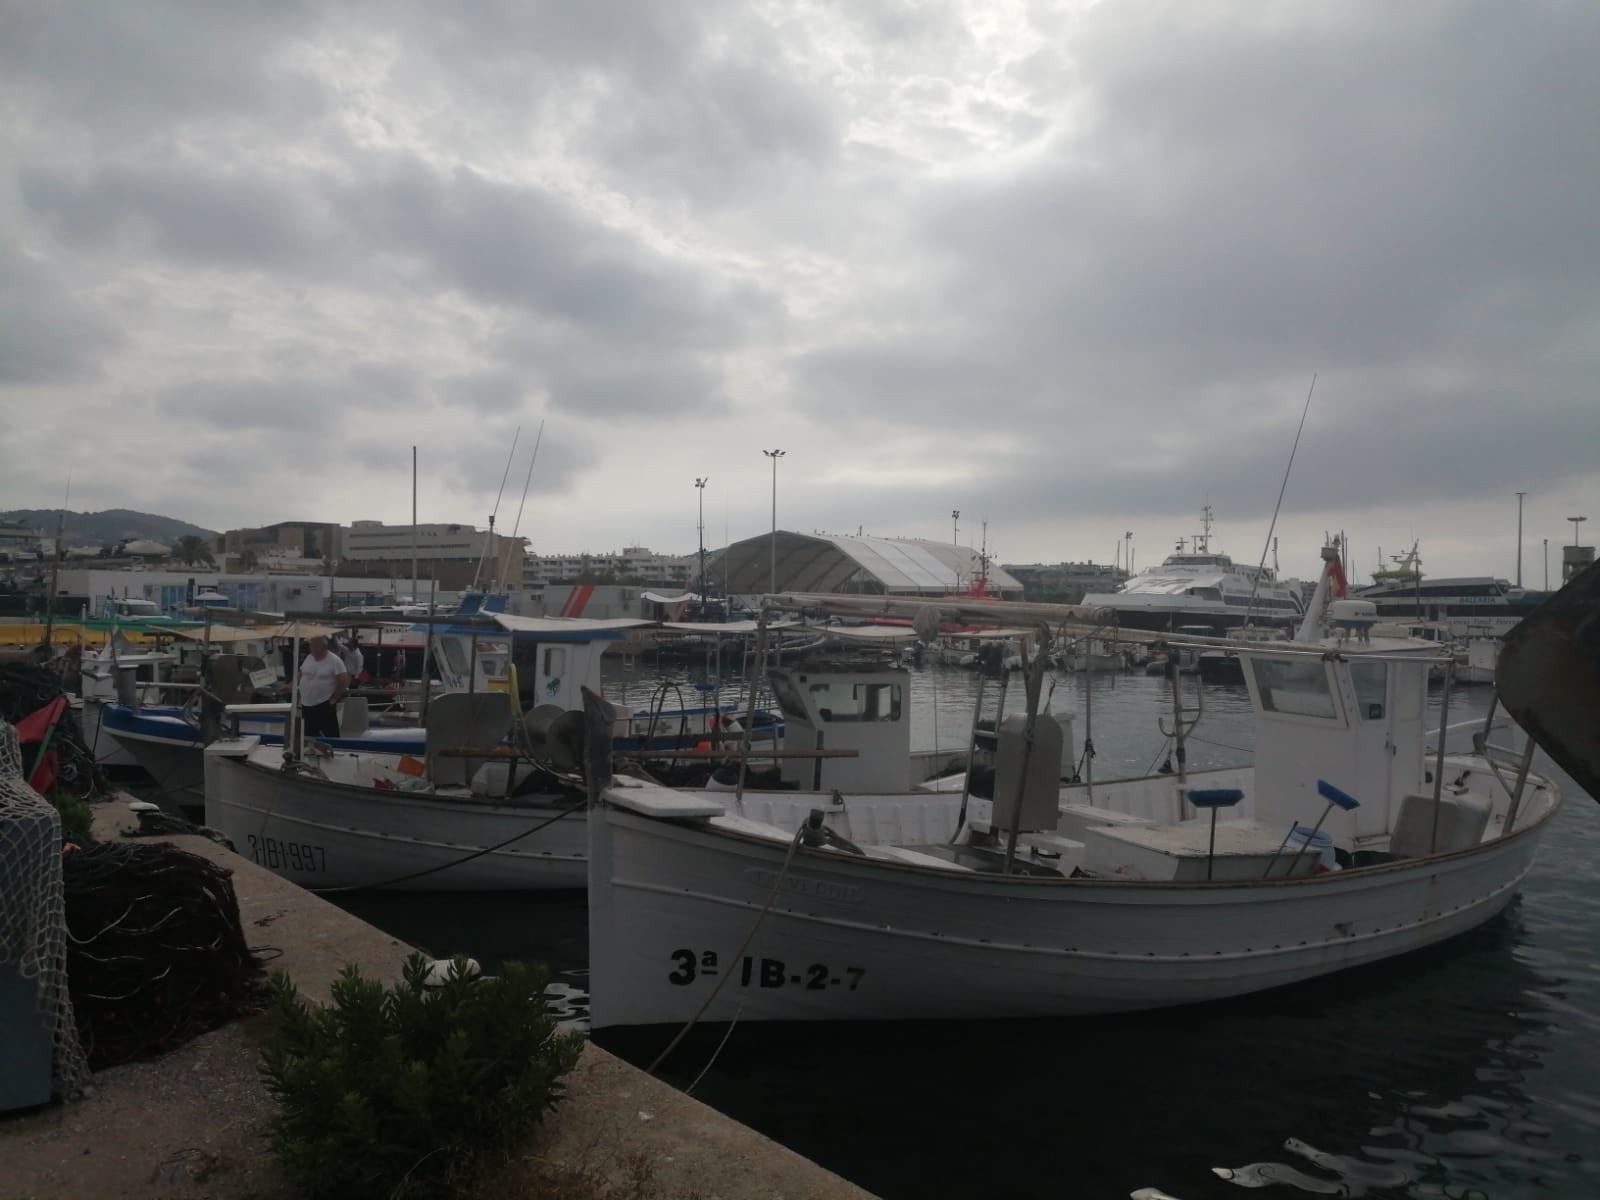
{"x":191,"y":550}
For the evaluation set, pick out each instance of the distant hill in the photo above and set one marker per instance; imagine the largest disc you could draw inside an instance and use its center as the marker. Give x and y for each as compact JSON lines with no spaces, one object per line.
{"x":111,"y":525}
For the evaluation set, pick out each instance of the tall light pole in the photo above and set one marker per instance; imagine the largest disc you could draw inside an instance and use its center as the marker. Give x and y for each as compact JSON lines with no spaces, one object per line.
{"x":1520,"y":495}
{"x":955,"y":526}
{"x":1576,"y":521}
{"x":1129,"y":537}
{"x":774,"y":455}
{"x":700,"y":487}
{"x":1547,"y":564}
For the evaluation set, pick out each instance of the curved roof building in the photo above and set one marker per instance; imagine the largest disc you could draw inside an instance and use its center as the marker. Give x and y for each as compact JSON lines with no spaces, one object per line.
{"x":831,"y":562}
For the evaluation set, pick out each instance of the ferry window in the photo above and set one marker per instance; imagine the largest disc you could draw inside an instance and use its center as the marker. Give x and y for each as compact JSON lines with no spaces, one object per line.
{"x":857,"y":701}
{"x":555,"y":661}
{"x":1371,"y":681}
{"x":1295,"y":687}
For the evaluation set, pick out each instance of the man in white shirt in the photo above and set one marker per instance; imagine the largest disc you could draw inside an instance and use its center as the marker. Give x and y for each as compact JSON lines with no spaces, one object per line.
{"x":324,"y":680}
{"x":354,"y":663}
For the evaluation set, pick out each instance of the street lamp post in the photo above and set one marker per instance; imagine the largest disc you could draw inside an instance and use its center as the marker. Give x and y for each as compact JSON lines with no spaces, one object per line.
{"x":774,"y":455}
{"x":1576,"y":521}
{"x":955,"y":526}
{"x":1520,"y":495}
{"x":1129,"y":537}
{"x":700,"y":487}
{"x":1547,"y":564}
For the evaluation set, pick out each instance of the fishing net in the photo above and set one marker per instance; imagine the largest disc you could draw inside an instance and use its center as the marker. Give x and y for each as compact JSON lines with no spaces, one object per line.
{"x":157,"y":954}
{"x":33,"y":922}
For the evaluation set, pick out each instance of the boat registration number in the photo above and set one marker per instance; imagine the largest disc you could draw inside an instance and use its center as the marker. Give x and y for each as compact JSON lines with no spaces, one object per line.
{"x":278,"y":855}
{"x":687,"y":966}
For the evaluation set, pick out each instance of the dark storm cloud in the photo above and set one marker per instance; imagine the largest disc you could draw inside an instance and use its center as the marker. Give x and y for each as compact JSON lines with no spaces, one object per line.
{"x":46,"y":334}
{"x":524,"y":247}
{"x":1400,"y":199}
{"x":1090,"y":265}
{"x":133,"y":74}
{"x":242,"y":404}
{"x":187,"y":212}
{"x":700,"y":102}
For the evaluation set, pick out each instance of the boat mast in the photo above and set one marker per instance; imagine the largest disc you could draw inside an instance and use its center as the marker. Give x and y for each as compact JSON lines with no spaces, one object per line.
{"x":504,"y":475}
{"x":55,"y":571}
{"x":415,"y":587}
{"x":517,"y":524}
{"x":1255,"y":584}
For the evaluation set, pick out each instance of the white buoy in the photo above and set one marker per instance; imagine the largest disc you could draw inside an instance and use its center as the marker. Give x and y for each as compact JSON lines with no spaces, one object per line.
{"x":439,"y":971}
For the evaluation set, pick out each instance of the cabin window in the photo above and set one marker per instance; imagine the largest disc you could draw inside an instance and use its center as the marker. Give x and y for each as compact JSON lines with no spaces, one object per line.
{"x":789,"y":698}
{"x":1294,"y":687}
{"x":1371,"y":680}
{"x":555,"y":661}
{"x":453,"y":657}
{"x":857,"y":701}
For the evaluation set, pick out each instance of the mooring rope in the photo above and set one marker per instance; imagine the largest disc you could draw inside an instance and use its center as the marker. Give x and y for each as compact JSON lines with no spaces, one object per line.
{"x":772,"y":897}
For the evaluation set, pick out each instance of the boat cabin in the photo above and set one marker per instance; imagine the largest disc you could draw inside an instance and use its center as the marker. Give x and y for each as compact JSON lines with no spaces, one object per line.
{"x":541,"y":667}
{"x":845,"y":706}
{"x":1348,"y":713}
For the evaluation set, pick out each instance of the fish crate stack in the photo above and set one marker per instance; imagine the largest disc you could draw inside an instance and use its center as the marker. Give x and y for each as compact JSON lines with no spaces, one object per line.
{"x":40,"y":1056}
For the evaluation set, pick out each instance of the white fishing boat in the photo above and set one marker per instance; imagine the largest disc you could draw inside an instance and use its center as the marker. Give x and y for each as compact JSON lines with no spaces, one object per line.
{"x":430,"y":815}
{"x":1094,"y":654}
{"x":1475,"y":662}
{"x":1347,"y":843}
{"x":143,"y":676}
{"x":512,"y":817}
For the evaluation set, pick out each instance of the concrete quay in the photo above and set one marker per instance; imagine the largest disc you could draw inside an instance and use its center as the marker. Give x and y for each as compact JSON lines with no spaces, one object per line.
{"x":190,"y":1124}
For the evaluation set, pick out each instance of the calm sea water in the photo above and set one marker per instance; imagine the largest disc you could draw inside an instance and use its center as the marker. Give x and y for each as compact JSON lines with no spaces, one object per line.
{"x":1469,"y":1071}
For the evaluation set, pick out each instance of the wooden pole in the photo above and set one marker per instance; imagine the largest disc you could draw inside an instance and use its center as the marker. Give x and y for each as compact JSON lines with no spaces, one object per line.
{"x":1438,"y":758}
{"x":972,"y":749}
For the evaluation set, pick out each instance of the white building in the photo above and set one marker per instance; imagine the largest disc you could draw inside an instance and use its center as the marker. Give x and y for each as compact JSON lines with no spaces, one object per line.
{"x":633,"y":564}
{"x":173,"y":590}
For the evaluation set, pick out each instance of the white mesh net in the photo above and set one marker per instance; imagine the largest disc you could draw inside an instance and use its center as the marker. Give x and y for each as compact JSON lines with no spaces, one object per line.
{"x":33,"y":915}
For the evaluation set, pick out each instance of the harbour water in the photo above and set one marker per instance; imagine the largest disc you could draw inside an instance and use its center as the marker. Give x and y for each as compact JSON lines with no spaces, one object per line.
{"x":1469,"y":1071}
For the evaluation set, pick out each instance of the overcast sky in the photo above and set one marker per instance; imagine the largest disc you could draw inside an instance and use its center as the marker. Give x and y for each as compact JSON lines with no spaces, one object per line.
{"x":1069,"y":268}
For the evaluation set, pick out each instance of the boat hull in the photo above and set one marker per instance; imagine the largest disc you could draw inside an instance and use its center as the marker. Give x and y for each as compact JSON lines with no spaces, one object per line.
{"x":165,"y":746}
{"x":109,"y":754}
{"x":322,"y":834}
{"x":676,"y":907}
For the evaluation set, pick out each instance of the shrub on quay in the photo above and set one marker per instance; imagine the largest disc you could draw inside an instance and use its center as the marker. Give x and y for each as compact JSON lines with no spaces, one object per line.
{"x":411,"y":1089}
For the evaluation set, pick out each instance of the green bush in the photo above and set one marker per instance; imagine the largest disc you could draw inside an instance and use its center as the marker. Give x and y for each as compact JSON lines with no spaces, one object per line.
{"x":410,"y":1090}
{"x":76,"y":816}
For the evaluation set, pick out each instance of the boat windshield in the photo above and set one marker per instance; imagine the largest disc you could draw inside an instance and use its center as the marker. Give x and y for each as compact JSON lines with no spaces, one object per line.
{"x":1294,"y":687}
{"x":857,"y":701}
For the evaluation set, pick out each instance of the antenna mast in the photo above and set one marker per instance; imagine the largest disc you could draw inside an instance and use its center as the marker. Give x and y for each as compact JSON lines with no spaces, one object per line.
{"x":1256,"y":583}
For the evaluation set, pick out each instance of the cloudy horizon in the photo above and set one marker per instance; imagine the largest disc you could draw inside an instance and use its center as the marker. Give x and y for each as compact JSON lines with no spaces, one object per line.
{"x":1068,"y":268}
